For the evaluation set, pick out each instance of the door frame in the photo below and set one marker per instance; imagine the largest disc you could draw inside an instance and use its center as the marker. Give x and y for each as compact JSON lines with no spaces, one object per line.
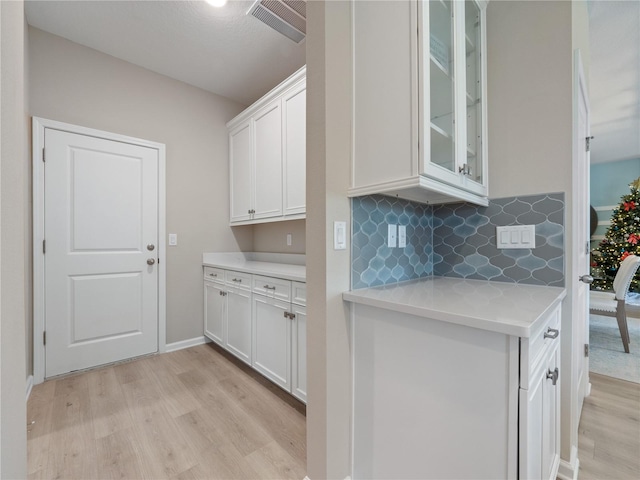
{"x":38,"y":129}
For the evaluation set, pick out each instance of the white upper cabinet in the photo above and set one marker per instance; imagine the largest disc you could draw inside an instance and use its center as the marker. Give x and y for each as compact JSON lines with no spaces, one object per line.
{"x":267,"y":162}
{"x":419,"y":100}
{"x":294,"y":111}
{"x":240,"y":148}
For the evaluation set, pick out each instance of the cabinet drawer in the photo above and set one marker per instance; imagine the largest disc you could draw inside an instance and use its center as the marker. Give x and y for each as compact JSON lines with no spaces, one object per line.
{"x":536,"y":348}
{"x":214,"y":274}
{"x":272,"y":287}
{"x":299,"y":293}
{"x":238,"y":279}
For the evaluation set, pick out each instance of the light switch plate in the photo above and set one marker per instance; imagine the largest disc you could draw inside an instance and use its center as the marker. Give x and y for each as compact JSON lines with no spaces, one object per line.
{"x":173,"y":239}
{"x":516,"y":236}
{"x":339,"y":235}
{"x":392,"y":236}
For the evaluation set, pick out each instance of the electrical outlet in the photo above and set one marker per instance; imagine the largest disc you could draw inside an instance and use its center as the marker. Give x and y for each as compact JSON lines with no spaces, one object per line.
{"x":392,"y":236}
{"x":289,"y":240}
{"x":339,"y":235}
{"x":402,"y":236}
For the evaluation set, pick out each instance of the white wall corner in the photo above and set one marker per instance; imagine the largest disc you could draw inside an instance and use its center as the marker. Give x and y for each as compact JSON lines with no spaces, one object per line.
{"x":568,"y":470}
{"x":29,"y":386}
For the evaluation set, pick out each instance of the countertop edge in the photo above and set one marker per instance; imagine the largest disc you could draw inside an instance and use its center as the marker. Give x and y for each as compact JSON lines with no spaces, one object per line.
{"x":276,"y":270}
{"x":520,"y":330}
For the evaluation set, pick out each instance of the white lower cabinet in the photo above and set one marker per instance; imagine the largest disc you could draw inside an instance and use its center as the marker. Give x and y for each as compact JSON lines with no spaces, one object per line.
{"x":227,"y":311}
{"x":299,"y":352}
{"x":262,"y":321}
{"x":539,"y":454}
{"x":474,"y":403}
{"x":239,"y":323}
{"x":215,"y":305}
{"x":272,"y":339}
{"x":279,"y":327}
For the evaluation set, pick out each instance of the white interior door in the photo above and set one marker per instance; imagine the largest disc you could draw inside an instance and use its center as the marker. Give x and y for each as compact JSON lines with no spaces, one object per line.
{"x":100,"y":263}
{"x":581,"y":251}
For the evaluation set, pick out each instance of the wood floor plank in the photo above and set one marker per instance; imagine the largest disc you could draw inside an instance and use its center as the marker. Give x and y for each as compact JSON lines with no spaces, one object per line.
{"x":609,"y":430}
{"x":109,"y":408}
{"x":274,"y":462}
{"x":199,"y":414}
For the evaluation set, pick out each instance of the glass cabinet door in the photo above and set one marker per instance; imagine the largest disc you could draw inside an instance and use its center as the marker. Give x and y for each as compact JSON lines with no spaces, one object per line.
{"x":474,"y":88}
{"x":442,"y":84}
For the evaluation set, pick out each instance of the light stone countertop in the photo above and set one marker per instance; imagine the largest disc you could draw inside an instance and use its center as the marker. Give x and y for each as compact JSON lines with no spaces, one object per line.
{"x":286,"y":266}
{"x":508,"y":308}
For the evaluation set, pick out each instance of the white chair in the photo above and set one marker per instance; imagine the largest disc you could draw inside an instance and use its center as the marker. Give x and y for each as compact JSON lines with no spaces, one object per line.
{"x":612,"y":304}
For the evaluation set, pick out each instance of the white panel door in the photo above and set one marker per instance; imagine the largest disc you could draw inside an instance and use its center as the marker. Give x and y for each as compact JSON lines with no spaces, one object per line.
{"x":294,"y":119}
{"x":101,"y":221}
{"x":272,"y":340}
{"x":267,"y":128}
{"x":580,"y":250}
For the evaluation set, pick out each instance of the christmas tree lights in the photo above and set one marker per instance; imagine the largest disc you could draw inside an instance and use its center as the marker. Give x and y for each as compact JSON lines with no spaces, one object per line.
{"x":621,"y":240}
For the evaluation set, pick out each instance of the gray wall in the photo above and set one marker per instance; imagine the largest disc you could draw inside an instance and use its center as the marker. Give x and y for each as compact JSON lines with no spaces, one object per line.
{"x":14,"y":193}
{"x":74,"y":84}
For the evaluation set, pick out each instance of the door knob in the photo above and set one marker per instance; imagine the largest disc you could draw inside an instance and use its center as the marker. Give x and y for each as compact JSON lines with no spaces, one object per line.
{"x":151,"y":261}
{"x":150,"y":247}
{"x":588,"y":279}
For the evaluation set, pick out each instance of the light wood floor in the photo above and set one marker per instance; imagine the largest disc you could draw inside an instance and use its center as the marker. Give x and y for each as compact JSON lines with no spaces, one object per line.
{"x":194,"y":413}
{"x":609,"y":431}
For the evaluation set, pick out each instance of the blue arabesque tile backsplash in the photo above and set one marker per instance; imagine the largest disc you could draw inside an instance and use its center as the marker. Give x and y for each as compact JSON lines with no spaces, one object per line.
{"x":457,"y":240}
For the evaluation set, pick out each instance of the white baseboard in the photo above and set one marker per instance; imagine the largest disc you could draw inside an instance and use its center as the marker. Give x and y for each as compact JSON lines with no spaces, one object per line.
{"x":567,"y":470}
{"x":191,"y":342}
{"x":29,"y":386}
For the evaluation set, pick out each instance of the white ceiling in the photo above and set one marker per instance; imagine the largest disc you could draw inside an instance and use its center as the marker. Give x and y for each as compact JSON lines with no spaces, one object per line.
{"x":614,"y":90}
{"x":234,"y":55}
{"x":221,"y":50}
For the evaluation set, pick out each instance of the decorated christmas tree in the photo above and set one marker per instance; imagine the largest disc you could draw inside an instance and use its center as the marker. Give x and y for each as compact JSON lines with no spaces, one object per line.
{"x":621,"y":240}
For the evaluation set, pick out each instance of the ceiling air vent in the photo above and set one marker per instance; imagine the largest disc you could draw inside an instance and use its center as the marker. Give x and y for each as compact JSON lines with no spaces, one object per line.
{"x":289,"y":17}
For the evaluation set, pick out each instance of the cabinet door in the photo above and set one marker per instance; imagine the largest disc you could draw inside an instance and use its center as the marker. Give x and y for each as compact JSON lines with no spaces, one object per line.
{"x":240,"y":166}
{"x":238,"y":339}
{"x":550,"y":422}
{"x":299,"y":353}
{"x":268,"y":161}
{"x":272,"y":340}
{"x":539,"y":424}
{"x":452,"y":81}
{"x":214,"y":312}
{"x":294,"y":120}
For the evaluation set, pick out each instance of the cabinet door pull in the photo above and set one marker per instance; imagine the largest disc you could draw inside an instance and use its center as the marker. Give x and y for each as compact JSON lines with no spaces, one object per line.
{"x":267,"y":287}
{"x":551,"y":333}
{"x":553,"y":375}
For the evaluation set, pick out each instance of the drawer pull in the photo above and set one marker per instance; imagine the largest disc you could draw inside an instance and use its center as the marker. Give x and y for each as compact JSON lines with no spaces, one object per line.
{"x":267,"y":287}
{"x":239,"y":280}
{"x":551,"y":333}
{"x":213,"y":274}
{"x":553,"y":375}
{"x":289,"y":315}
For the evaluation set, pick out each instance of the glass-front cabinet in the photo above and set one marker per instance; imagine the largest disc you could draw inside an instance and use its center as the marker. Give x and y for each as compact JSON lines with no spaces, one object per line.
{"x":452,"y":81}
{"x":419,"y":106}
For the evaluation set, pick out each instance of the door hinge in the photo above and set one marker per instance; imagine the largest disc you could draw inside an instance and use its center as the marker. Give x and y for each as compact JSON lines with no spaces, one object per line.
{"x":588,"y":143}
{"x":43,"y":159}
{"x":586,"y":349}
{"x":44,"y":246}
{"x":44,"y":337}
